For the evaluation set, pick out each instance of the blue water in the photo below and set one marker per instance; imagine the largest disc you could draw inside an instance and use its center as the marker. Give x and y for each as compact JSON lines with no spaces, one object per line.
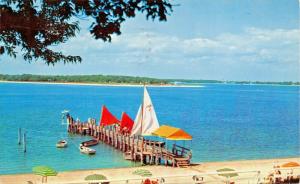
{"x":227,"y":122}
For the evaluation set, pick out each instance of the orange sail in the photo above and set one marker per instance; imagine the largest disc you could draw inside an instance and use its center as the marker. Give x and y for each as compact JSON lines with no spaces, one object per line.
{"x":107,"y":118}
{"x":126,"y":123}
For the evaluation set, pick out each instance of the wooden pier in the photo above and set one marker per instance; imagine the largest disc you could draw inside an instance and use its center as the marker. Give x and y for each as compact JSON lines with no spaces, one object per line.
{"x":135,"y":148}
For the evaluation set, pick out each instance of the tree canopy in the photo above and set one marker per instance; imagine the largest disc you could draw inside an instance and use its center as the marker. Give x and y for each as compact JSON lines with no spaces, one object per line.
{"x":36,"y":25}
{"x":100,"y":79}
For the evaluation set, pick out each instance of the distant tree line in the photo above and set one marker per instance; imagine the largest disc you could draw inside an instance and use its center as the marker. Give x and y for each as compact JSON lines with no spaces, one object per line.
{"x":119,"y":79}
{"x":101,"y":79}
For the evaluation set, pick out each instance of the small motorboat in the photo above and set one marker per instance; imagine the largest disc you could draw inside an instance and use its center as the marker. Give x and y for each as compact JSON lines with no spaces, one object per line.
{"x":86,"y":150}
{"x":62,"y":144}
{"x":88,"y":143}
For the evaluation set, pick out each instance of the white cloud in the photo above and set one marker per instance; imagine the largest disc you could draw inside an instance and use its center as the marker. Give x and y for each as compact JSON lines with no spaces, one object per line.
{"x":254,"y":43}
{"x":254,"y":54}
{"x":83,"y":42}
{"x":273,"y":52}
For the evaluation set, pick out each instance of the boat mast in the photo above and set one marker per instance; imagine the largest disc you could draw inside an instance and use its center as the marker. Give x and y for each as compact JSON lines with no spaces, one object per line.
{"x":101,"y":116}
{"x":142,"y":109}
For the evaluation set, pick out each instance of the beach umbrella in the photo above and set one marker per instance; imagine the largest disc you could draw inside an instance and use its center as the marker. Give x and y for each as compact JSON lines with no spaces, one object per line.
{"x":171,"y":133}
{"x":44,"y":171}
{"x":95,"y":177}
{"x":227,"y":175}
{"x":290,"y":164}
{"x":142,"y":172}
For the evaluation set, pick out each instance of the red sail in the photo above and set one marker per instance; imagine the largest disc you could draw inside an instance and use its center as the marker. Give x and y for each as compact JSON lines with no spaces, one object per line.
{"x":107,"y":118}
{"x":126,"y":123}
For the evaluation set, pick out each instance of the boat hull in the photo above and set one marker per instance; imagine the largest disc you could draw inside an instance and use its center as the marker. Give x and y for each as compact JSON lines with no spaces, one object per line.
{"x":88,"y":143}
{"x":62,"y":144}
{"x":87,"y":150}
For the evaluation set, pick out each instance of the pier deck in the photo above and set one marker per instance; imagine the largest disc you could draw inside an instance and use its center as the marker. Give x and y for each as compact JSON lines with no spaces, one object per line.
{"x":135,"y":148}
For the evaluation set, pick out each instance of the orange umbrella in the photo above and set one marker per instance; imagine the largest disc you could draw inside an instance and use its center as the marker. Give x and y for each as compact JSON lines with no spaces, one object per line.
{"x":172,"y":133}
{"x":165,"y":131}
{"x":180,"y":135}
{"x":291,"y":164}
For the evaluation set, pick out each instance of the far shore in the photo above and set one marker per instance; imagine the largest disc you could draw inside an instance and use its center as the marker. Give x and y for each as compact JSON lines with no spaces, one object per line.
{"x":140,"y":85}
{"x":247,"y":171}
{"x":104,"y":84}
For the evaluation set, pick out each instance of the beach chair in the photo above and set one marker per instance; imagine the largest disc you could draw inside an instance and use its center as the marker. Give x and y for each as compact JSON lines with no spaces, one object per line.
{"x":198,"y":179}
{"x":162,"y":180}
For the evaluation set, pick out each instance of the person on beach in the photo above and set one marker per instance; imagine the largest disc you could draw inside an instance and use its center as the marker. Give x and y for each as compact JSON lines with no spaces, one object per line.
{"x":125,"y":131}
{"x":277,"y":176}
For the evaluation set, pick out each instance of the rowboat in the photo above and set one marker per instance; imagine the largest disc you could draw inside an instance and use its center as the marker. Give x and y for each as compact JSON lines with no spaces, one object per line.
{"x":62,"y":144}
{"x":91,"y":142}
{"x":87,"y":150}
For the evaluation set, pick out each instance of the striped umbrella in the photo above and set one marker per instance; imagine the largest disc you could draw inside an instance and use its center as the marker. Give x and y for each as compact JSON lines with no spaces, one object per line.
{"x":95,"y":177}
{"x":44,"y":171}
{"x":227,"y":175}
{"x":142,"y":172}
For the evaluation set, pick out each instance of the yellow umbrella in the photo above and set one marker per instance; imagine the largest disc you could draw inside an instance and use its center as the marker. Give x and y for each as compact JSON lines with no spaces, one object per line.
{"x":179,"y":135}
{"x":172,"y":133}
{"x":165,"y":131}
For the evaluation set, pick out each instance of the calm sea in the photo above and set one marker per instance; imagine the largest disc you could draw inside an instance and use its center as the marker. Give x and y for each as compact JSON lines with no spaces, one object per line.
{"x":227,"y":122}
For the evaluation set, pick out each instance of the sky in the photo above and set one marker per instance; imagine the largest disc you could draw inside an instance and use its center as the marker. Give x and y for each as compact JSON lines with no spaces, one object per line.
{"x":253,"y":40}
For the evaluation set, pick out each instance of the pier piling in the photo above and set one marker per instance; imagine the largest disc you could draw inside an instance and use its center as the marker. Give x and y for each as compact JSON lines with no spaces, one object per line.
{"x":19,"y":136}
{"x":24,"y":142}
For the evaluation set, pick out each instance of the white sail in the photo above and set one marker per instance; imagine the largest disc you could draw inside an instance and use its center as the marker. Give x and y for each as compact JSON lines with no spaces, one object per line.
{"x":137,"y":126}
{"x":146,"y":121}
{"x":150,"y":122}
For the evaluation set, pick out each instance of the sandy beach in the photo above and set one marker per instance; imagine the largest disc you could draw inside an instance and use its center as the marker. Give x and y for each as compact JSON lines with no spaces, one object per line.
{"x":250,"y":171}
{"x":109,"y":85}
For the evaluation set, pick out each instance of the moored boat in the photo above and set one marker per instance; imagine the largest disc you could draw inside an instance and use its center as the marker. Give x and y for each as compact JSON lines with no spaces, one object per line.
{"x":86,"y":150}
{"x":62,"y":144}
{"x":91,"y":142}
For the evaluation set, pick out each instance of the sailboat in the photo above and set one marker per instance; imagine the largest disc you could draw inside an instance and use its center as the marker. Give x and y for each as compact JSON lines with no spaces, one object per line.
{"x":146,"y":121}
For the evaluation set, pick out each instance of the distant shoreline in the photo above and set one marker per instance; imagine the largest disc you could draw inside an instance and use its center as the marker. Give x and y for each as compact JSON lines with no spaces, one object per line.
{"x":141,"y":85}
{"x":103,"y":84}
{"x":255,"y":84}
{"x":123,"y":80}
